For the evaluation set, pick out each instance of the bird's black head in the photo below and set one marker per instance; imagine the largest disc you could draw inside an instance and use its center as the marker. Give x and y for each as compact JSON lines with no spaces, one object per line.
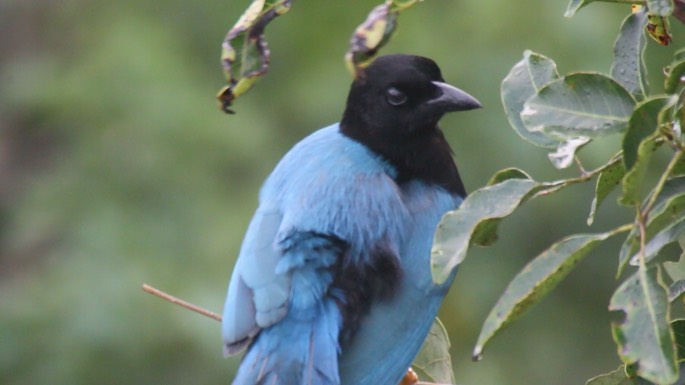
{"x":394,"y":107}
{"x":400,"y":95}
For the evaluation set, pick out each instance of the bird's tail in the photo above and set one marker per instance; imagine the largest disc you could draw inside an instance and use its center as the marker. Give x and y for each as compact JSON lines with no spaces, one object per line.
{"x":301,"y":349}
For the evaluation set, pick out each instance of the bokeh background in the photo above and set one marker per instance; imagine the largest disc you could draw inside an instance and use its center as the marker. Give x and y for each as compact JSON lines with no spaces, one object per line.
{"x":116,"y":168}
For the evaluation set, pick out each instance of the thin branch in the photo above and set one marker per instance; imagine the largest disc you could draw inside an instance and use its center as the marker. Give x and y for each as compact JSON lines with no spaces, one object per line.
{"x":583,"y":171}
{"x":585,"y":176}
{"x":642,"y":225}
{"x":180,"y":302}
{"x":429,"y":383}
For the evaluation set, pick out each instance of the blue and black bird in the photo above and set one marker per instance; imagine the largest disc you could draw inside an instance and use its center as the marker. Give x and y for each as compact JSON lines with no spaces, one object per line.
{"x":332,"y":284}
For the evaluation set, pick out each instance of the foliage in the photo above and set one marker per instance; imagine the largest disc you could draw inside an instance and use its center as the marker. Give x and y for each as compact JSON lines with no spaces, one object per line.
{"x":570,"y":112}
{"x":116,"y":168}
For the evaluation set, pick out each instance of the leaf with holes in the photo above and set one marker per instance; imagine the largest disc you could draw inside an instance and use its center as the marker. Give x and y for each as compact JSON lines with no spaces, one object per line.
{"x":644,"y":336}
{"x":676,"y":270}
{"x":244,"y":52}
{"x":608,"y":179}
{"x":374,"y":33}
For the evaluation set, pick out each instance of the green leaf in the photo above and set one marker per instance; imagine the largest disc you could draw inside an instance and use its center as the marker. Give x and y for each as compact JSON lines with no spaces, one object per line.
{"x":678,"y":327}
{"x":580,"y":104}
{"x":643,"y":123}
{"x":676,"y":270}
{"x":661,"y":8}
{"x":608,"y":179}
{"x":628,"y":67}
{"x":536,"y":279}
{"x":670,"y":204}
{"x":668,"y":207}
{"x":524,"y":80}
{"x":566,"y":152}
{"x":575,"y":5}
{"x":506,"y":174}
{"x":434,"y":360}
{"x":666,"y":236}
{"x":679,"y":169}
{"x":675,"y":72}
{"x":644,"y":337}
{"x":457,"y":229}
{"x":633,"y":179}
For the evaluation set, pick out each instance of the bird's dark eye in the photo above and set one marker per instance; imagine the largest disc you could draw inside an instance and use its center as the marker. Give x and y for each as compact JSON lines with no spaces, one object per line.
{"x":395,"y":96}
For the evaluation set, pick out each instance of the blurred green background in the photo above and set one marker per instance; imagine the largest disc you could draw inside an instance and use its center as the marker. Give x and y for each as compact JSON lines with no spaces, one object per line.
{"x":116,"y":168}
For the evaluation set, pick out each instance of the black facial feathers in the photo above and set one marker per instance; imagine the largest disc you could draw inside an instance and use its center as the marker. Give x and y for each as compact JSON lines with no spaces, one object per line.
{"x":394,"y":109}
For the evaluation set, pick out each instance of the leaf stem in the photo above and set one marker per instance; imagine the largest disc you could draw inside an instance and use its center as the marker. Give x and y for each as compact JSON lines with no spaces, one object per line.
{"x":642,"y":226}
{"x":584,"y":177}
{"x":583,"y":171}
{"x":622,"y":229}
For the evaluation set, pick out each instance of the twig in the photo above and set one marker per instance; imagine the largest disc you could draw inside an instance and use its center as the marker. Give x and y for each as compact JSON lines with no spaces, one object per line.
{"x":429,"y":383}
{"x":180,"y":302}
{"x":642,"y":226}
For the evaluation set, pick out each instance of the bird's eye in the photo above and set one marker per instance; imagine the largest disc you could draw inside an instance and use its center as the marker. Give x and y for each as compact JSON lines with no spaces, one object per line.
{"x":395,"y":96}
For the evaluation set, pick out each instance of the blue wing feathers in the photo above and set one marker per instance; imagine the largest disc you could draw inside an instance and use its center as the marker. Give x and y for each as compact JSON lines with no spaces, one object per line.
{"x":302,"y":348}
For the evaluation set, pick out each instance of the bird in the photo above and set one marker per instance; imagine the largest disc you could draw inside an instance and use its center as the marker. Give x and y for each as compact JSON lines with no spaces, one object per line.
{"x":332,"y":284}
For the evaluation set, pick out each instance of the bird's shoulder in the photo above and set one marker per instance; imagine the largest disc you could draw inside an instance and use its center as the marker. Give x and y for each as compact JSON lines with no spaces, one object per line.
{"x":331,"y":184}
{"x":326,"y":156}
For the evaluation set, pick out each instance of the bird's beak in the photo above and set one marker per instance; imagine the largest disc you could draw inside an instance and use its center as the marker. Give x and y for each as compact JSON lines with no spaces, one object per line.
{"x":453,"y":99}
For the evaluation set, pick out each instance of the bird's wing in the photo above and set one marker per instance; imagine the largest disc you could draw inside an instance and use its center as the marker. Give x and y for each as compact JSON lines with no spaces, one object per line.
{"x":257,"y":295}
{"x":326,"y":198}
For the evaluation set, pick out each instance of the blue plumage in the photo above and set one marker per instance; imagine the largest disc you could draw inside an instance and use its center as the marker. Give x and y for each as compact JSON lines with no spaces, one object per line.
{"x":332,"y":284}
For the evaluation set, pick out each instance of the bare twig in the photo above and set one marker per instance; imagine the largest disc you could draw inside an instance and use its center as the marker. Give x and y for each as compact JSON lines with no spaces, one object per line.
{"x":429,"y":383}
{"x":180,"y":302}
